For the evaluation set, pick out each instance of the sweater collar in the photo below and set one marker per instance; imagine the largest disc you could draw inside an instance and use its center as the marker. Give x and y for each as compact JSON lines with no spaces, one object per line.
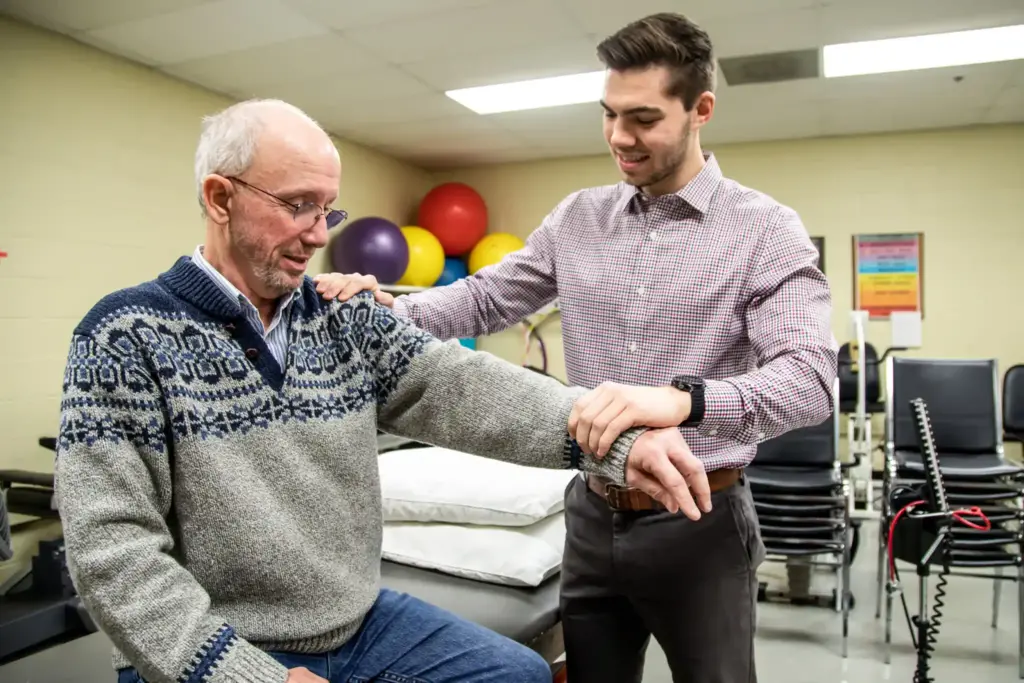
{"x":187,"y":281}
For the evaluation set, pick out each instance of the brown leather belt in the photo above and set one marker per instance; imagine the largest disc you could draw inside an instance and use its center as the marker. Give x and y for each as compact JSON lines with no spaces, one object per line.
{"x":629,"y":499}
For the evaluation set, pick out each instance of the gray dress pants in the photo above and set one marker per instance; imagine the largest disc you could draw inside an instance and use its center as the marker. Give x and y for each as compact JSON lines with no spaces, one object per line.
{"x":692,"y":585}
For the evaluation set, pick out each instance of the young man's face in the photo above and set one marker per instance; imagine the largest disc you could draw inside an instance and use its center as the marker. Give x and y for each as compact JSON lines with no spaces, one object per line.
{"x":648,"y":131}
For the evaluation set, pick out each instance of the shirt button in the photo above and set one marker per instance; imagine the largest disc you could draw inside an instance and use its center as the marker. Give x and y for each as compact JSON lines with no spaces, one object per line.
{"x":632,"y":347}
{"x":714,"y":431}
{"x":760,"y":435}
{"x":251,"y":354}
{"x":640,"y":290}
{"x":653,"y":235}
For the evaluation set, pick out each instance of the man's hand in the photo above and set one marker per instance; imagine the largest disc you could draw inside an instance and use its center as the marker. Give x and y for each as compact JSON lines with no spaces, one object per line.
{"x":344,"y":287}
{"x":601,"y":415}
{"x":661,"y":465}
{"x":304,"y":675}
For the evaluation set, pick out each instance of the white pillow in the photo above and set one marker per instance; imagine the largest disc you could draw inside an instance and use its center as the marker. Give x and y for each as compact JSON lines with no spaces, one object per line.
{"x":513,"y":556}
{"x":433,"y":484}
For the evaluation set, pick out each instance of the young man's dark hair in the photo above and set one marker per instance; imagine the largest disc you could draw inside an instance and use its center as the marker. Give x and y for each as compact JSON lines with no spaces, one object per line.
{"x":668,"y":40}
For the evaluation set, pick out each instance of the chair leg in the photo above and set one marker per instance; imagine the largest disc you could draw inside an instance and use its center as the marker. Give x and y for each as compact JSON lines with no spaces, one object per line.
{"x":888,"y":626}
{"x":997,"y":586}
{"x":1020,"y":620}
{"x":882,"y":559}
{"x":846,"y":598}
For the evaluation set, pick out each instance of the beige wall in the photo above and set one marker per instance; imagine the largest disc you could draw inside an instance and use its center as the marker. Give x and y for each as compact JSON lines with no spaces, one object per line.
{"x":963,"y":188}
{"x":97,"y":193}
{"x":96,"y":190}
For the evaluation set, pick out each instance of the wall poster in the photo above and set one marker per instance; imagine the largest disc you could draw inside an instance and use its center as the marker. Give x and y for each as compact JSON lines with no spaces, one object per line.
{"x":888,"y":273}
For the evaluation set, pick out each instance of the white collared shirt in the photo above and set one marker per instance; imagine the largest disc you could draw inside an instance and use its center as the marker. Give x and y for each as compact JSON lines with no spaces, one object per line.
{"x":276,"y":334}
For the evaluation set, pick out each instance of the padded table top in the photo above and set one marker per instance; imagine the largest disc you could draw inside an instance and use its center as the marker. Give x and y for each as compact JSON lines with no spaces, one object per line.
{"x":519,"y":613}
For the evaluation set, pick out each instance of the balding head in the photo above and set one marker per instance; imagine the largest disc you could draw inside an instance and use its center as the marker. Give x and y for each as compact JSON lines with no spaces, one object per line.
{"x":231,"y":139}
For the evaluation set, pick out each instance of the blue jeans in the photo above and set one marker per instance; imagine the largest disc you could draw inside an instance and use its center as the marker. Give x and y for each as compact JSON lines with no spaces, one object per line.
{"x":405,"y":640}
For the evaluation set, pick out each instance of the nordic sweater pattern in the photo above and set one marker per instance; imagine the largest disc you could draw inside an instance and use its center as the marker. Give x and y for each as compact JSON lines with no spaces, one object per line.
{"x":217,"y":505}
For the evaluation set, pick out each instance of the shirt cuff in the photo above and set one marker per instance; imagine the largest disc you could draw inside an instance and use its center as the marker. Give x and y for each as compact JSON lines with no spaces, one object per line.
{"x":398,"y":308}
{"x":724,"y":413}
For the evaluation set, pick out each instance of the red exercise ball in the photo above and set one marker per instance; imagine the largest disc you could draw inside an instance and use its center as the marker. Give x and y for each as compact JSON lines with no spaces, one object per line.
{"x":456,"y":214}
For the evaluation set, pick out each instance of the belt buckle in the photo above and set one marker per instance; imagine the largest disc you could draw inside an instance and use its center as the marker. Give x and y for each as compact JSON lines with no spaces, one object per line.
{"x":611,"y":495}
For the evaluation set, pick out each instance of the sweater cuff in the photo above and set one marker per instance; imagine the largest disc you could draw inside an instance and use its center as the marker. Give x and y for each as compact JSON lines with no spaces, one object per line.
{"x":244,"y":663}
{"x":613,"y":465}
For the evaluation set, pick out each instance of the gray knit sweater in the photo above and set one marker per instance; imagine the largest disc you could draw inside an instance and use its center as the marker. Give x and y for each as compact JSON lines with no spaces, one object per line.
{"x":216,"y":506}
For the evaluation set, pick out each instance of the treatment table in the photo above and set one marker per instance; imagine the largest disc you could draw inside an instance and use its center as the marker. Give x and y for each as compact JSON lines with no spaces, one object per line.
{"x":526,"y":615}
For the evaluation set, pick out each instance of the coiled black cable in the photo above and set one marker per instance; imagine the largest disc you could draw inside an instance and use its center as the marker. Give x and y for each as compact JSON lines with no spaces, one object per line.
{"x":921,"y":675}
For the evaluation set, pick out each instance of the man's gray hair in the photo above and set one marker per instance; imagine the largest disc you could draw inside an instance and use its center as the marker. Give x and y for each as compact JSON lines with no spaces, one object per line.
{"x":227,"y":141}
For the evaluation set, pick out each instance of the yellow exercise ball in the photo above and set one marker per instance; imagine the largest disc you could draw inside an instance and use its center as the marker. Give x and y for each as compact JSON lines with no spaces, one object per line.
{"x":492,"y":248}
{"x":426,"y":257}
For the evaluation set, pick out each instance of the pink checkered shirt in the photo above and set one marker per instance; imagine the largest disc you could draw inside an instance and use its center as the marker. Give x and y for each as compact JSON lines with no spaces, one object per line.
{"x":716,"y":280}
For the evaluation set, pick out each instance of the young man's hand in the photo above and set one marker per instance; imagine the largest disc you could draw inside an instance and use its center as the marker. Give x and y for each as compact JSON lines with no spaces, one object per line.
{"x":661,"y":465}
{"x":601,"y":415}
{"x":343,"y":287}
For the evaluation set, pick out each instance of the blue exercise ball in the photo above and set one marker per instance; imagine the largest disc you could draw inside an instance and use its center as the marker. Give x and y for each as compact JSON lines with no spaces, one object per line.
{"x":454,"y":269}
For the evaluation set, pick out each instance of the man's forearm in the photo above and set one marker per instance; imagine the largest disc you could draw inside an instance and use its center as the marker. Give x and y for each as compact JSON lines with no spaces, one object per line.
{"x":786,"y":394}
{"x":474,"y":402}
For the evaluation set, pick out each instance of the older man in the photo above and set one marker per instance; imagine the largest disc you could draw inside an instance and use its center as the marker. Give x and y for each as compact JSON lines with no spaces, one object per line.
{"x":217,"y":473}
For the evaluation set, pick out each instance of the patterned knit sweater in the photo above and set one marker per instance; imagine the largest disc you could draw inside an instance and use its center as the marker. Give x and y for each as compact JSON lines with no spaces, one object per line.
{"x":216,"y":506}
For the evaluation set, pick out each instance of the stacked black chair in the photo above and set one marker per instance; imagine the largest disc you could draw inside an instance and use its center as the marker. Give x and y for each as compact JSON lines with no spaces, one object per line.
{"x":963,"y":400}
{"x":803,"y":504}
{"x":868,"y":363}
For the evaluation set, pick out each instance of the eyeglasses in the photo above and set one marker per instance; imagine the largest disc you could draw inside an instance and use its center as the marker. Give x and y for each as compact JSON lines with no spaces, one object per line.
{"x":306,"y":214}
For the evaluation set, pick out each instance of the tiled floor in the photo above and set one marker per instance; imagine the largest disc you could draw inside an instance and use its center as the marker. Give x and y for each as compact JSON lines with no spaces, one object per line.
{"x":803,"y":644}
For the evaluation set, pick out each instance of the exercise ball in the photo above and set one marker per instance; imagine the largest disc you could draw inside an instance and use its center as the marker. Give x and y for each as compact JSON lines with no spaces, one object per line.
{"x":469,"y":343}
{"x":454,"y":269}
{"x":492,"y":249}
{"x":457,"y":216}
{"x":426,"y":257}
{"x":371,"y":246}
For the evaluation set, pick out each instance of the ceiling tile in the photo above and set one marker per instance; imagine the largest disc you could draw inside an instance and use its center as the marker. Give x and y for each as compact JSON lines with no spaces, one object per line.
{"x":208,"y":29}
{"x":579,"y":123}
{"x":885,"y":114}
{"x":764,"y":32}
{"x":457,"y":132}
{"x":854,"y":20}
{"x":566,"y":56}
{"x":339,"y":90}
{"x":979,"y":85}
{"x":311,"y":58}
{"x":602,"y":18}
{"x":352,"y":112}
{"x":85,"y":15}
{"x":495,"y":26}
{"x":347,"y":15}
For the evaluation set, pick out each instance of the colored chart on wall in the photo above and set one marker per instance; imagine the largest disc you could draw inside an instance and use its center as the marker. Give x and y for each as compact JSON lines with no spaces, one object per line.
{"x":888,"y":273}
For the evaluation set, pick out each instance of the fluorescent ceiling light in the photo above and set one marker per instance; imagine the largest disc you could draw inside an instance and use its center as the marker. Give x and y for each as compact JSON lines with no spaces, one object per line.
{"x":924,"y":52}
{"x":533,"y":94}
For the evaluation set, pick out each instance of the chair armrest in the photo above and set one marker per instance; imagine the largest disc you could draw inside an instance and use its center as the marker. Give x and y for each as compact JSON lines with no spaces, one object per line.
{"x":8,"y":477}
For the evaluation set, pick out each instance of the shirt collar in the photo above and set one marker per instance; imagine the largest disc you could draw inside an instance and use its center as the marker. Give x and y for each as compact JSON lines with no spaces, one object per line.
{"x":697,"y":193}
{"x":283,"y":304}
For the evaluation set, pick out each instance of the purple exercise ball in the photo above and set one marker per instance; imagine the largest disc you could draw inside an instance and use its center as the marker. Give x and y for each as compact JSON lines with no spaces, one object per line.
{"x":371,"y":246}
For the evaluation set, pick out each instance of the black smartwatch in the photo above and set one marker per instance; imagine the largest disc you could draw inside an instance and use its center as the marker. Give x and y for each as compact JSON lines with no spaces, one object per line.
{"x":694,"y":386}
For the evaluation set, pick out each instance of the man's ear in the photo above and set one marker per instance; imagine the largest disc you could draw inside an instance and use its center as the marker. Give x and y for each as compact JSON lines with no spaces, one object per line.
{"x":703,"y":109}
{"x":217,"y":192}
